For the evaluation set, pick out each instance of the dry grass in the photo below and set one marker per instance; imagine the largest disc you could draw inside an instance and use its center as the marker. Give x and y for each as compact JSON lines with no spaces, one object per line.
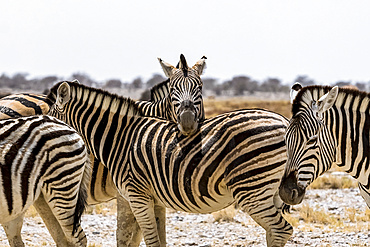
{"x":214,"y":107}
{"x":107,"y":208}
{"x":225,"y":215}
{"x":312,"y":218}
{"x":31,"y":212}
{"x":333,"y":182}
{"x":316,"y":215}
{"x":355,"y":216}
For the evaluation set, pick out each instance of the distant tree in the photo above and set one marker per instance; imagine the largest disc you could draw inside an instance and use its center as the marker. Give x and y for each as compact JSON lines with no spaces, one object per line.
{"x":47,"y":82}
{"x":209,"y":83}
{"x":137,"y":83}
{"x":154,"y":80}
{"x":113,"y":83}
{"x":145,"y":95}
{"x":239,"y":84}
{"x":218,"y":89}
{"x":83,"y":79}
{"x":19,"y":81}
{"x":304,"y":80}
{"x":363,"y":86}
{"x":5,"y":81}
{"x":342,"y":83}
{"x":271,"y":85}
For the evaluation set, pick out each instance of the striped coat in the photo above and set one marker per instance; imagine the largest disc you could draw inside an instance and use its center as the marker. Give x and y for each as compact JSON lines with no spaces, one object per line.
{"x":329,"y":125}
{"x":237,"y":157}
{"x":40,"y":156}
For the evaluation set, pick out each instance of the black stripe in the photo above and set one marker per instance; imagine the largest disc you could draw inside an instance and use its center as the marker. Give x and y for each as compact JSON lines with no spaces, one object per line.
{"x":27,"y":103}
{"x":10,"y":112}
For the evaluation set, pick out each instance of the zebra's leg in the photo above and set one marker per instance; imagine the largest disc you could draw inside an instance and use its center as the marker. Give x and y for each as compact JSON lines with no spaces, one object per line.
{"x":264,"y":212}
{"x":50,"y":221}
{"x":160,"y":216}
{"x":143,"y":209}
{"x":13,"y":231}
{"x":64,"y":213}
{"x":128,"y":230}
{"x":365,"y":193}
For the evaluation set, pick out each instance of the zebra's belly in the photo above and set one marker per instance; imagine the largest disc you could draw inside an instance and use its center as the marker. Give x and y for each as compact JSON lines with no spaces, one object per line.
{"x":16,"y":208}
{"x":206,"y":208}
{"x":196,"y":200}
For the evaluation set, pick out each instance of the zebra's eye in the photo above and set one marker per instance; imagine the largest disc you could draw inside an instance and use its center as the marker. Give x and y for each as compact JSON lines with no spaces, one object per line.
{"x":311,"y":140}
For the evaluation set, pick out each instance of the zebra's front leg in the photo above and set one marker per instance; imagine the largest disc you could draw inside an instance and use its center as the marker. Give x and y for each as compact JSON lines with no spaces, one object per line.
{"x":128,"y":230}
{"x":365,"y":193}
{"x":13,"y":231}
{"x":143,"y":209}
{"x":264,"y":212}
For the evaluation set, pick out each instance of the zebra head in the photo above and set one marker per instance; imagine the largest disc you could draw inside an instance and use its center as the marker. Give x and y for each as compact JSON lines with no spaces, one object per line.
{"x":310,"y":144}
{"x":185,"y":92}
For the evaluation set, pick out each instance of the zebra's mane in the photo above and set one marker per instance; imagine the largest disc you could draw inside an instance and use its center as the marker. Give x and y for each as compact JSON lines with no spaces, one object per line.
{"x":159,"y":91}
{"x":127,"y":105}
{"x":307,"y":94}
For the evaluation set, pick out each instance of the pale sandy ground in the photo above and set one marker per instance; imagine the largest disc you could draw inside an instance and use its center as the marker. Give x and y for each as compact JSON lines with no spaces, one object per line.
{"x":185,"y":229}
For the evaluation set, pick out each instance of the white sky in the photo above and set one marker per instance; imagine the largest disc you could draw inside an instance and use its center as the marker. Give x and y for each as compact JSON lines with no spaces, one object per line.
{"x":328,"y":40}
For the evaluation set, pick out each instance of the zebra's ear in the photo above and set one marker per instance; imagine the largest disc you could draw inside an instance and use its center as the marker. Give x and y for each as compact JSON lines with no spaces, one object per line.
{"x":168,"y":69}
{"x":200,"y":66}
{"x":294,"y":91}
{"x":63,"y":94}
{"x":327,"y":100}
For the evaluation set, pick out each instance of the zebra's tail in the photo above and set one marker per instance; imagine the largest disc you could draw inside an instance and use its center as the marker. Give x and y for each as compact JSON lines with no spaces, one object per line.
{"x":82,"y":195}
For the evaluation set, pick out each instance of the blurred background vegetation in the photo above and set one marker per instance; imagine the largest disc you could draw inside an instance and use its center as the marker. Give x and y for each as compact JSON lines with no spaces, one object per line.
{"x":138,"y":88}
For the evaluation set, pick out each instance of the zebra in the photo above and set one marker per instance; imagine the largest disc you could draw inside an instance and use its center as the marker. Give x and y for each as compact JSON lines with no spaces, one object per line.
{"x":42,"y":156}
{"x":236,"y":157}
{"x":185,"y":95}
{"x":24,"y":104}
{"x":101,"y":186}
{"x":329,"y":125}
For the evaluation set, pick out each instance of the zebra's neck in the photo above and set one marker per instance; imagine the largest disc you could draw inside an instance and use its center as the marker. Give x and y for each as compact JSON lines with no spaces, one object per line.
{"x":348,"y":126}
{"x":93,"y":112}
{"x":349,"y":121}
{"x":159,"y":91}
{"x":160,"y":108}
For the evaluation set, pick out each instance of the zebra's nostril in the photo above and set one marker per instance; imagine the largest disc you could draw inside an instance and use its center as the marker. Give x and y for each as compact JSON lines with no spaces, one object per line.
{"x":294,"y":194}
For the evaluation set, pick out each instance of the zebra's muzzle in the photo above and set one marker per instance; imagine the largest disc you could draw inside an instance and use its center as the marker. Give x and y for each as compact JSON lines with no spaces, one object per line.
{"x":290,"y":191}
{"x":187,"y":123}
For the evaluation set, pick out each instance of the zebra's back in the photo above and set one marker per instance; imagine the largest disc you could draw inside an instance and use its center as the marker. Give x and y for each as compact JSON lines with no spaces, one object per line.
{"x":25,"y":104}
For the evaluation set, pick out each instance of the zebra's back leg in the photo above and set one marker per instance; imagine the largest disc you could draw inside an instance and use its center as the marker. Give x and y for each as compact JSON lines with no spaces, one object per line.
{"x":13,"y":231}
{"x":65,"y":202}
{"x":262,"y":209}
{"x":64,"y":213}
{"x":128,"y":230}
{"x":365,"y":193}
{"x":50,"y":221}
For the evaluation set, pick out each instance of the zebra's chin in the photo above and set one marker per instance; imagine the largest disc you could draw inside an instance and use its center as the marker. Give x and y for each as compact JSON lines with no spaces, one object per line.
{"x":290,"y":191}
